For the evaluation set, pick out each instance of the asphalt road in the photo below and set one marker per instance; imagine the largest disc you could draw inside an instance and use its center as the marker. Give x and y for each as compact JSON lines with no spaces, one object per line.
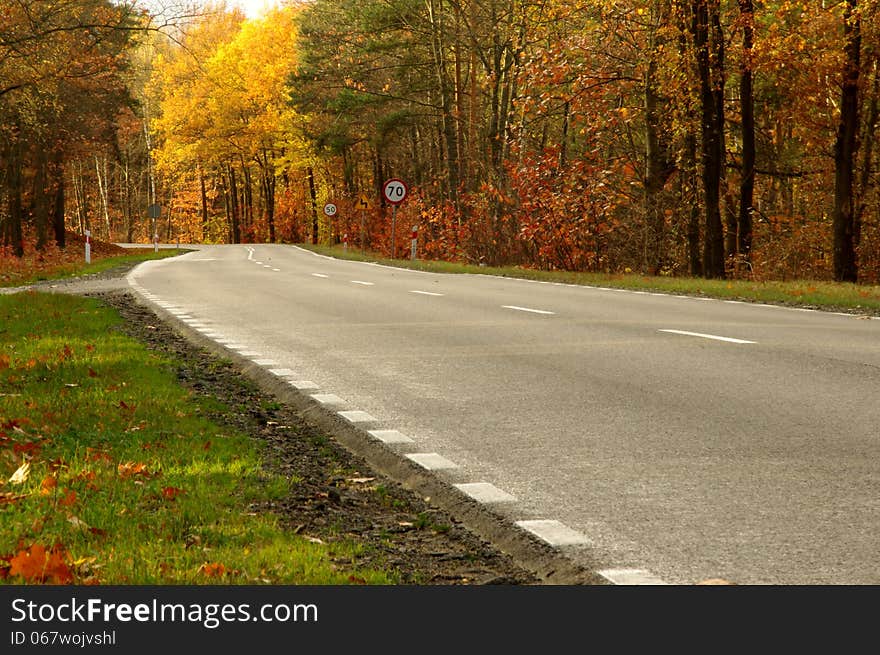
{"x":678,"y":438}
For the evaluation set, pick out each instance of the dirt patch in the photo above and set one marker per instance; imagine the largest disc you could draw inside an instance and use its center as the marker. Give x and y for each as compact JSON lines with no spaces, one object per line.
{"x":337,"y":495}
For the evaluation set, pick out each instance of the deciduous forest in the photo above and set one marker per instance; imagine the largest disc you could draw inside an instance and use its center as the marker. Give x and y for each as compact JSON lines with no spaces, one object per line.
{"x":715,"y":138}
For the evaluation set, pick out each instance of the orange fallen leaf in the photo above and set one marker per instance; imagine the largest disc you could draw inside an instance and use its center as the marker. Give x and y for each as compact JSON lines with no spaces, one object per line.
{"x":48,"y":485}
{"x":132,"y":469}
{"x":36,"y":565}
{"x":68,"y":499}
{"x":170,"y":493}
{"x":212,"y":570}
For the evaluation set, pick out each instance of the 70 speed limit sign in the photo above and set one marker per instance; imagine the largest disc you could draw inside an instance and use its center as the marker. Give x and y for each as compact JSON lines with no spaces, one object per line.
{"x":394,"y":191}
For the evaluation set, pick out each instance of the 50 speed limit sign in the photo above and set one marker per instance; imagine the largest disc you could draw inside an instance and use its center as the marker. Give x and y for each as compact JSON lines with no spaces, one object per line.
{"x":394,"y":191}
{"x":330,"y":209}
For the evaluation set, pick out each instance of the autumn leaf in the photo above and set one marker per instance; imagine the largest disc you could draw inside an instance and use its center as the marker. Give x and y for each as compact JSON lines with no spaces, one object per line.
{"x":36,"y":565}
{"x":48,"y":485}
{"x":21,"y":474}
{"x":212,"y":570}
{"x":8,"y":497}
{"x":68,"y":499}
{"x":171,"y":493}
{"x":132,"y":469}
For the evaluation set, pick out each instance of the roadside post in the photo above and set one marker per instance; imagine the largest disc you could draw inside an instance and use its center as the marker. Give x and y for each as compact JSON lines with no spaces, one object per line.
{"x":395,"y":192}
{"x":154,"y":211}
{"x":415,"y":242}
{"x":345,"y":242}
{"x":88,"y":246}
{"x":363,"y":204}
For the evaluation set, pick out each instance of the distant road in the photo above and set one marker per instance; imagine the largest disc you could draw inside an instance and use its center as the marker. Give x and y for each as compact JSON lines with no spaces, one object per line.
{"x":680,"y":437}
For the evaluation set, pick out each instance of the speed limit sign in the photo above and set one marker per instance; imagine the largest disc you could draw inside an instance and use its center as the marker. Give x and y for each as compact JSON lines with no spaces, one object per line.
{"x":330,"y":209}
{"x":394,"y":191}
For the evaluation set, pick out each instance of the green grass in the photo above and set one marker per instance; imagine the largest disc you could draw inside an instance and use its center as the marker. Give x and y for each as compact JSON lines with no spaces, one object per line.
{"x":127,"y":480}
{"x":860,"y":299}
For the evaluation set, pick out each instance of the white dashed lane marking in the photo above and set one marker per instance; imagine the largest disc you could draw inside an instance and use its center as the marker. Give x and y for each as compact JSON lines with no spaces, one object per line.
{"x":362,"y":283}
{"x":320,"y":275}
{"x":528,"y":309}
{"x":426,"y":293}
{"x":713,"y":337}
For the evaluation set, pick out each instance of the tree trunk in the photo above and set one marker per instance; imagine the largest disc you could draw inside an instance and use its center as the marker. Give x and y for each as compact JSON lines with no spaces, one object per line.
{"x":14,"y":212}
{"x":747,"y":109}
{"x":709,"y":46}
{"x":842,"y":215}
{"x":60,"y":199}
{"x":658,"y":166}
{"x":314,"y":198}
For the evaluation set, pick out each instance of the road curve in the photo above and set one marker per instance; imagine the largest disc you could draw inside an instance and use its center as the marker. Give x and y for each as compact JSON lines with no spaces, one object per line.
{"x":669,"y":438}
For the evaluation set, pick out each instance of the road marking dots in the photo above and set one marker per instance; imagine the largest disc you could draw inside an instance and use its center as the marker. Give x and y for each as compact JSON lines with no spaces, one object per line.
{"x":484,"y":492}
{"x":630,"y":577}
{"x":432,"y":461}
{"x":357,"y":416}
{"x":282,"y":372}
{"x":328,"y":399}
{"x":554,"y":533}
{"x":714,"y":337}
{"x":528,"y":309}
{"x":304,"y":385}
{"x":390,"y":436}
{"x":426,"y":293}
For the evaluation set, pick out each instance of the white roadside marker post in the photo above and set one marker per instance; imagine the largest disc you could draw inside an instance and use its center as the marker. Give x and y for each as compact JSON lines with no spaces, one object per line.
{"x":88,"y":246}
{"x":415,"y":242}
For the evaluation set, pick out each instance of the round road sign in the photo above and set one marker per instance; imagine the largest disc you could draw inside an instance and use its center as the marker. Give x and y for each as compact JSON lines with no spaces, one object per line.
{"x":330,"y":209}
{"x":394,"y":191}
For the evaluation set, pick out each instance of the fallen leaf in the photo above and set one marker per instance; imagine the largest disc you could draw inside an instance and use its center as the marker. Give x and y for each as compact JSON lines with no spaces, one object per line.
{"x":8,"y":497}
{"x":170,"y":493}
{"x":21,"y":474}
{"x":47,"y":486}
{"x":68,"y":499}
{"x":36,"y":565}
{"x":77,"y":522}
{"x":212,"y":570}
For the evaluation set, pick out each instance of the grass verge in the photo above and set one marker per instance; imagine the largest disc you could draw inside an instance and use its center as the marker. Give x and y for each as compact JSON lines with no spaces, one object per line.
{"x":31,"y":269}
{"x":854,"y":298}
{"x":111,"y":474}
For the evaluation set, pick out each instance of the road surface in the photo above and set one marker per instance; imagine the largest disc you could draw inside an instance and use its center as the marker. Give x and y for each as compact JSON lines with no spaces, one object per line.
{"x":672,"y":439}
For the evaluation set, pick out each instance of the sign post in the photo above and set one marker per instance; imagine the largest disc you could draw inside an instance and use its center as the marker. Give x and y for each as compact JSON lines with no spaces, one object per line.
{"x":395,"y":192}
{"x":330,"y":210}
{"x":415,"y":242}
{"x":88,"y":246}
